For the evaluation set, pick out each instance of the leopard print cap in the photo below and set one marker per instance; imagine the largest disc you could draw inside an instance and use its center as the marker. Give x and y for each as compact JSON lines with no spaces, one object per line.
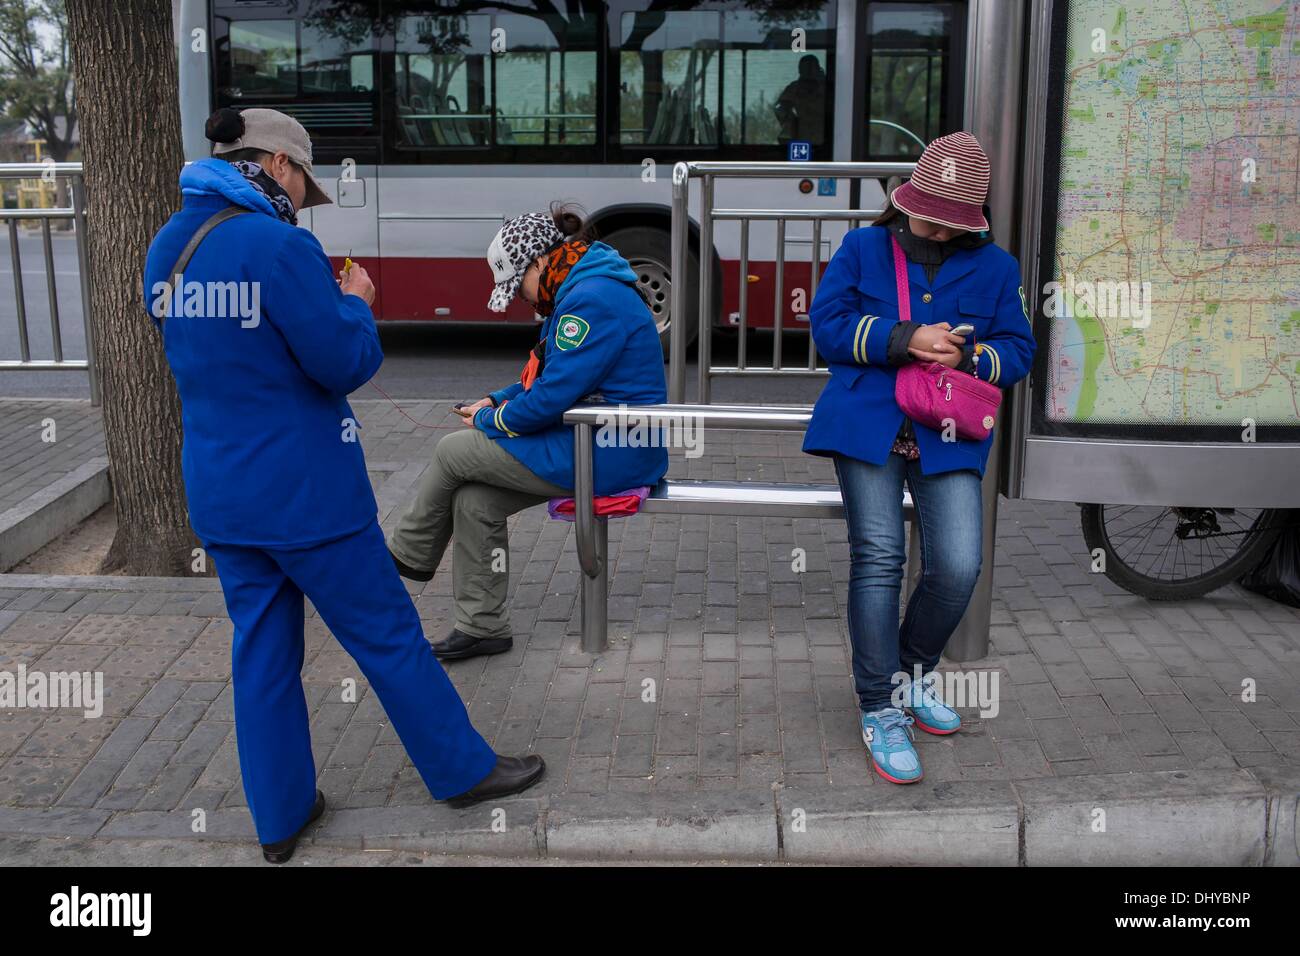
{"x":513,"y":249}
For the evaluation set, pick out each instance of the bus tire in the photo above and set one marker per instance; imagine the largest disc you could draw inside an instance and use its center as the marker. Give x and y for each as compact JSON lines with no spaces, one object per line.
{"x":649,"y":252}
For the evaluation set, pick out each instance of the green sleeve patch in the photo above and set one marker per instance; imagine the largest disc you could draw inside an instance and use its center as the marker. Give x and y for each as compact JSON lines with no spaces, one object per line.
{"x":570,"y":331}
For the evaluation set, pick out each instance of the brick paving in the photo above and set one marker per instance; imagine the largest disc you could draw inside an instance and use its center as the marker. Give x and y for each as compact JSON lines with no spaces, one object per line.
{"x":748,"y":658}
{"x":29,"y":464}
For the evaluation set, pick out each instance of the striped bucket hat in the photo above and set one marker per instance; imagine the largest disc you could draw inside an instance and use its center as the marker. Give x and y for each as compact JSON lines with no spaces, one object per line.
{"x":950,"y":184}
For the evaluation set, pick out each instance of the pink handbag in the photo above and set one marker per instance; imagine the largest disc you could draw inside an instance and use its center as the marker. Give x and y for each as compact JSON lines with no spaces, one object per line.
{"x":934,"y":395}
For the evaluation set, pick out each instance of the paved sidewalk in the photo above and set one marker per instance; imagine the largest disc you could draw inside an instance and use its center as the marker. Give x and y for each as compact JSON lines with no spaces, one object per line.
{"x":28,"y":464}
{"x":53,"y":472}
{"x":750,"y":747}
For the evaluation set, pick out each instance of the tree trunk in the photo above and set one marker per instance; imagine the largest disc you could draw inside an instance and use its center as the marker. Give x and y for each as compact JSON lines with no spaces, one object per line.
{"x":124,"y":60}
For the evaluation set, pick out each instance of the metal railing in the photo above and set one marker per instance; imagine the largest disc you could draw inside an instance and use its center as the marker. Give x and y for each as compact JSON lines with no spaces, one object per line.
{"x":77,"y":213}
{"x":708,"y":173}
{"x":592,"y":534}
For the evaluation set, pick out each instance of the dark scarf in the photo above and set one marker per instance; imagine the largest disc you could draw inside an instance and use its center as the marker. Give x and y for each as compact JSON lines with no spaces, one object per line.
{"x":274,"y":193}
{"x":927,"y":253}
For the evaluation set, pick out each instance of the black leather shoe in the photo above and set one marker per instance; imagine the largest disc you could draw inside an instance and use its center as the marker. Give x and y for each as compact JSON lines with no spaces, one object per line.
{"x":510,"y":775}
{"x":406,"y":571}
{"x":282,"y":851}
{"x":457,"y":646}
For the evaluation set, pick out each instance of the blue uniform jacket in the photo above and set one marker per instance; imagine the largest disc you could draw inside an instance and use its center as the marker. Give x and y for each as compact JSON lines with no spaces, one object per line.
{"x":601,"y":345}
{"x":272,"y":457}
{"x":855,"y":309}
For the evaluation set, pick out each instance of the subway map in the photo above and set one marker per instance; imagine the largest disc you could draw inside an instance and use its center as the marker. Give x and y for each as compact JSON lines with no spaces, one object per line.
{"x":1175,"y":298}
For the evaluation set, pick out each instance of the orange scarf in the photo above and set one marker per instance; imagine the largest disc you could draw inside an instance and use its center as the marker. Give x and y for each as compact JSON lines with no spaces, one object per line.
{"x":559,"y":261}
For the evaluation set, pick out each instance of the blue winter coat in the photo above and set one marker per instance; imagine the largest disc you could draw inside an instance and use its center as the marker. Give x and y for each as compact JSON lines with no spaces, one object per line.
{"x":601,"y":345}
{"x":271,"y":455}
{"x":855,"y":309}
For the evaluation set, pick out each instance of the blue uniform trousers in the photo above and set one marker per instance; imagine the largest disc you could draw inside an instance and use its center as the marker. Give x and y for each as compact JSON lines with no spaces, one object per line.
{"x":359,"y":596}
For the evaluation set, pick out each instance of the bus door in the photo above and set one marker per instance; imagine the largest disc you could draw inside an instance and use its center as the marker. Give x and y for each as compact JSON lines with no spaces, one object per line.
{"x":910,"y":69}
{"x":317,"y":62}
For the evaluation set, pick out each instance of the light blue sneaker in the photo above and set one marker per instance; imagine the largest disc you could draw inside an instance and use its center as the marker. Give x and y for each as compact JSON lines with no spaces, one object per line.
{"x":929,"y":711}
{"x":886,"y":734}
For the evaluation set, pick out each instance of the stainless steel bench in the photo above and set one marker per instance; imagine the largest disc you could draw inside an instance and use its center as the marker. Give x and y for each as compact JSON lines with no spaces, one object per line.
{"x":738,"y":498}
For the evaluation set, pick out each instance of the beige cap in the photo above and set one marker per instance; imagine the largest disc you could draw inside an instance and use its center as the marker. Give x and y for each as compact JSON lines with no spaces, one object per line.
{"x":275,"y":132}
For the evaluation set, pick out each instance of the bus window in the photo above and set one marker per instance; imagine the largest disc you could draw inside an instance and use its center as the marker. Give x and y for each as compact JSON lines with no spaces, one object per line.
{"x":495,"y":81}
{"x":318,"y":66}
{"x":547,"y":91}
{"x":911,"y":97}
{"x":263,"y":58}
{"x":752,"y":76}
{"x":443,"y":89}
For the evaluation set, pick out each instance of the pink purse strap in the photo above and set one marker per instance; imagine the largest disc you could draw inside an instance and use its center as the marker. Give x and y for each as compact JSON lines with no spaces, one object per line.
{"x":900,"y":279}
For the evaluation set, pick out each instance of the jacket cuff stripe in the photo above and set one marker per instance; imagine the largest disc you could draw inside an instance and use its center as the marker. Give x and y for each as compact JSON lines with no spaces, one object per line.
{"x":496,"y":420}
{"x":858,"y":341}
{"x":995,"y":369}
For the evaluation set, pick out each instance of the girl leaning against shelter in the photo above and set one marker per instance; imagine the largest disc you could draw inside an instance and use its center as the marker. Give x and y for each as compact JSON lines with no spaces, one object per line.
{"x":921,"y":319}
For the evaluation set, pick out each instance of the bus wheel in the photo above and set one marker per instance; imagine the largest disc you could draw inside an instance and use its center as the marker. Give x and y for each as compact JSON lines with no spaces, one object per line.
{"x":649,"y":253}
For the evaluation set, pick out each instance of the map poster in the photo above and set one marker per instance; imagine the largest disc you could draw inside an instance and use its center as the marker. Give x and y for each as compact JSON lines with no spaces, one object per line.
{"x":1170,"y":270}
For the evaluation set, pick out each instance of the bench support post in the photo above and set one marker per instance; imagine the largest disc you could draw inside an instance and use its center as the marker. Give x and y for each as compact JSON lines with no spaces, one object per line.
{"x":593,"y":544}
{"x":595,"y":596}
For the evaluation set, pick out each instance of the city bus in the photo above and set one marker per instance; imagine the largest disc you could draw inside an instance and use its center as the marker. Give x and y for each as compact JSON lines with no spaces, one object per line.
{"x":1146,"y":147}
{"x":434,"y":122}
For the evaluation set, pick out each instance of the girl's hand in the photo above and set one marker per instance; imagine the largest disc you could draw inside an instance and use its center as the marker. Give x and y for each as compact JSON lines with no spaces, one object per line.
{"x":934,"y":343}
{"x":950,"y":359}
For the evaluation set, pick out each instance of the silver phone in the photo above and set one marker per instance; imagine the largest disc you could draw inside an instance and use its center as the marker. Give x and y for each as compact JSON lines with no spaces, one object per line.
{"x":964,"y":329}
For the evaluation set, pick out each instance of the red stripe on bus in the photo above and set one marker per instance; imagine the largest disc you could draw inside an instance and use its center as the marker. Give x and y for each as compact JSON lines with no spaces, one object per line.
{"x":411,"y":289}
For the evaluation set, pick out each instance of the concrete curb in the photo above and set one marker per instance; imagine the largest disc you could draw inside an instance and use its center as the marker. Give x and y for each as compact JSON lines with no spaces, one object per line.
{"x":511,"y":828}
{"x":1282,"y":788}
{"x":956,"y":823}
{"x":105,"y":582}
{"x":1167,"y":818}
{"x":1172,"y":818}
{"x":738,"y":825}
{"x":52,"y":511}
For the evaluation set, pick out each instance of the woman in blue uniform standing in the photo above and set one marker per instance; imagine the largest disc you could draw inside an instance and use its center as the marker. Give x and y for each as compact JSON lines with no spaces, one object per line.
{"x":598,"y":338}
{"x":276,"y":482}
{"x":955,"y":277}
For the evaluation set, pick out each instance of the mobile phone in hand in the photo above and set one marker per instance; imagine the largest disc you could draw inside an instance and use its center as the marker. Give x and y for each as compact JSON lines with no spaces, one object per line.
{"x":964,"y":329}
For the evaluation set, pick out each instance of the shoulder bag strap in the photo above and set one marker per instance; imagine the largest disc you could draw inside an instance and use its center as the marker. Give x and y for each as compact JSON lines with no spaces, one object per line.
{"x":216,"y":219}
{"x":900,"y":279}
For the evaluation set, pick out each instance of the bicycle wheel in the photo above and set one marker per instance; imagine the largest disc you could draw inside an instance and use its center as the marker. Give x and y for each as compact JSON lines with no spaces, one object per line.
{"x":1170,"y":554}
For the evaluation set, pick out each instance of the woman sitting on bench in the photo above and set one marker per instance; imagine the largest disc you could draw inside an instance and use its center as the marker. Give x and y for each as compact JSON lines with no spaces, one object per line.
{"x":598,"y":337}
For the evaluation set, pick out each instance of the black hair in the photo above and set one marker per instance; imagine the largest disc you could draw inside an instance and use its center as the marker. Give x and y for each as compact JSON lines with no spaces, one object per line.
{"x":889,"y":211}
{"x":225,"y":126}
{"x":571,"y":220}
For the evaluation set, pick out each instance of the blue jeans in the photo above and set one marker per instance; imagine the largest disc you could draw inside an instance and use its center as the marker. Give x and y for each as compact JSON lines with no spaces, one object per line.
{"x":948,"y":510}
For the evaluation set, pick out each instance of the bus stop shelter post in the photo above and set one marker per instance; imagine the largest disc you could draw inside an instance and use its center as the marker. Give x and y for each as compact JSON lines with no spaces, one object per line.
{"x":593,"y":545}
{"x":992,"y":110}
